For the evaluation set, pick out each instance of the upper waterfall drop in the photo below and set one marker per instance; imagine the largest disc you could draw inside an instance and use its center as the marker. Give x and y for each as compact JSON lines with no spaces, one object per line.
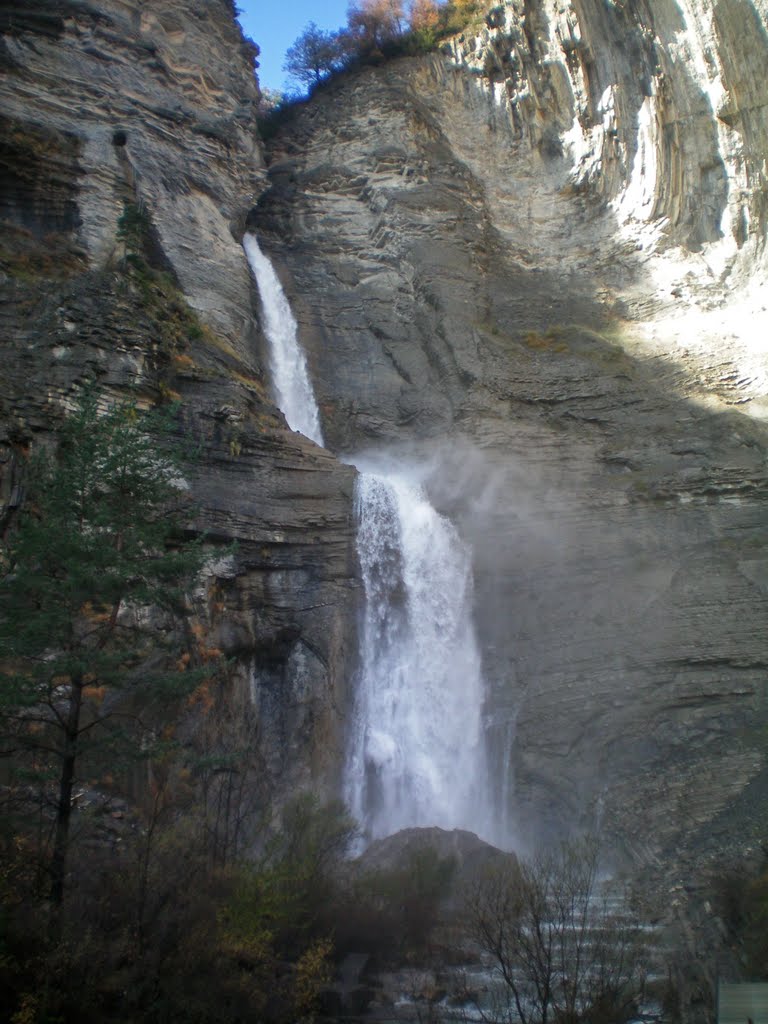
{"x":294,"y":392}
{"x":417,"y":752}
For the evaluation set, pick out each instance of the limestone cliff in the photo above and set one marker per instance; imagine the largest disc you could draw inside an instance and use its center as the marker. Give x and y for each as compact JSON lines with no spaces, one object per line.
{"x":525,"y":260}
{"x":126,"y":125}
{"x":537,"y":261}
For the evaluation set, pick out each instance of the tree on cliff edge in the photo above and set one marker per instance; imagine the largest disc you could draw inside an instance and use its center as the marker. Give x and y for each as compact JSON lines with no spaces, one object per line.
{"x":374,"y":23}
{"x":313,"y":56}
{"x":97,"y":548}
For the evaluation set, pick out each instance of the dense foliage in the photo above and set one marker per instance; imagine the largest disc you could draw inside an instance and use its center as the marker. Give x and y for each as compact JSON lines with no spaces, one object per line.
{"x":98,"y":545}
{"x":155,"y":930}
{"x":145,"y":910}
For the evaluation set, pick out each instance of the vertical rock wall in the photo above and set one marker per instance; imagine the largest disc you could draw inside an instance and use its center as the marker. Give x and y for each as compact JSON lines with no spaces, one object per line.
{"x":661,"y":107}
{"x":535,"y":261}
{"x":129,"y":128}
{"x":522,"y":260}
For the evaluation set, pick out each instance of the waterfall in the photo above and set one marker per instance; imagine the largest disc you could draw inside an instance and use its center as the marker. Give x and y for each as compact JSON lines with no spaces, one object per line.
{"x":416,"y":752}
{"x":416,"y":755}
{"x":290,"y":379}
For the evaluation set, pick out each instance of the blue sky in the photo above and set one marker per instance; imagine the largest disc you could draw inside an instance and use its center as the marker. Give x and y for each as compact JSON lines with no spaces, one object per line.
{"x":275,"y":25}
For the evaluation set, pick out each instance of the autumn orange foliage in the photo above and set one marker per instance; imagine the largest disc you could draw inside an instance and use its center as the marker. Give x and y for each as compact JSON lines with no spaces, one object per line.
{"x":424,"y":15}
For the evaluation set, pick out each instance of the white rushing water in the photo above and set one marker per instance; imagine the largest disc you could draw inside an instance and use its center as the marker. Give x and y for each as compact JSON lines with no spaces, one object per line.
{"x":290,"y":379}
{"x":416,"y":754}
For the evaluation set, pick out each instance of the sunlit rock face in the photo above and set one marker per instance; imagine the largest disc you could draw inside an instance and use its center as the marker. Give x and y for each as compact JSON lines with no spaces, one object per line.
{"x":660,"y":107}
{"x":661,"y":111}
{"x":535,"y":262}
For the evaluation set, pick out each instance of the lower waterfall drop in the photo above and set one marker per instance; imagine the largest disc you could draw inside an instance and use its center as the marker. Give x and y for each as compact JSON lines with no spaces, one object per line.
{"x":416,"y":756}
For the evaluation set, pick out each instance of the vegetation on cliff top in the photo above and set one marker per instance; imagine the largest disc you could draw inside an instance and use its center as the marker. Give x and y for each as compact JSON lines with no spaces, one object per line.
{"x":376,"y":30}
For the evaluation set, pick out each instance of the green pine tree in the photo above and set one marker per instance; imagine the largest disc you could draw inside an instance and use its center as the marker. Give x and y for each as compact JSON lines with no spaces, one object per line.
{"x":98,"y":547}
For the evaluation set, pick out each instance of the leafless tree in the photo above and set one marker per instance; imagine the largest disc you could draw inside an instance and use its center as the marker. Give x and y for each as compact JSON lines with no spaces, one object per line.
{"x":564,"y":951}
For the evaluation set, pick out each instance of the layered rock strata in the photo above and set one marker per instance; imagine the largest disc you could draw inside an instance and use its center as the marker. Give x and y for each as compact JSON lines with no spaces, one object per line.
{"x":129,"y":159}
{"x":535,"y":263}
{"x":520,"y":260}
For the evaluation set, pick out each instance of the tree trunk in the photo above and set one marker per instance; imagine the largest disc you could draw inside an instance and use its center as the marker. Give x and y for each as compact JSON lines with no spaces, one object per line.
{"x":64,"y":804}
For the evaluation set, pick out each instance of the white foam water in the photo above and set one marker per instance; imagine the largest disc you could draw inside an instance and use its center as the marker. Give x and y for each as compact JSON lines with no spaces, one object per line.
{"x":416,"y":753}
{"x":416,"y":750}
{"x":294,"y":393}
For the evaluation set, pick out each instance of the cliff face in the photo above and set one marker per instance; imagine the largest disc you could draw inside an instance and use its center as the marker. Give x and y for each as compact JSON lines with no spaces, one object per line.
{"x":151,"y":103}
{"x":131,"y":126}
{"x":535,"y":261}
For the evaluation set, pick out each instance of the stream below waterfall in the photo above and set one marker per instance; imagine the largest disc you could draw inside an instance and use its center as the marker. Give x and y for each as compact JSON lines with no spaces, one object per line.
{"x":415,"y":749}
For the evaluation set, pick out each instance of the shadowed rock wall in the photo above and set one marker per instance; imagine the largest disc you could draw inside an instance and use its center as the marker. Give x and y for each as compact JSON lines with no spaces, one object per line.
{"x":124,"y":119}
